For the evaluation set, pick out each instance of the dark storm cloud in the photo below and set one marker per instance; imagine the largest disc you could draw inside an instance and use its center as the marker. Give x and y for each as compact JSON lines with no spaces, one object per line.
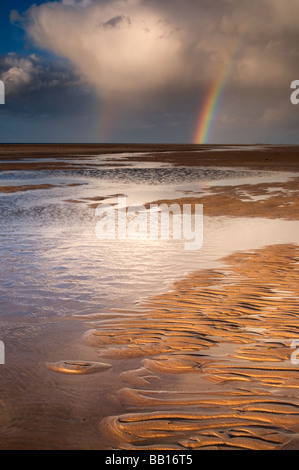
{"x":114,"y":22}
{"x":36,"y":86}
{"x":31,"y":73}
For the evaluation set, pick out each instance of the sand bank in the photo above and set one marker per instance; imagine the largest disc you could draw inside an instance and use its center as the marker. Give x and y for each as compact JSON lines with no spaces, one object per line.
{"x":263,"y":157}
{"x":270,"y":200}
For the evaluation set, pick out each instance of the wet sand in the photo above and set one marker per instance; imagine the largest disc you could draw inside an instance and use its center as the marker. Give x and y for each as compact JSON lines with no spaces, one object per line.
{"x":206,"y":365}
{"x":263,"y":157}
{"x":270,"y":200}
{"x":29,"y":187}
{"x":226,"y":336}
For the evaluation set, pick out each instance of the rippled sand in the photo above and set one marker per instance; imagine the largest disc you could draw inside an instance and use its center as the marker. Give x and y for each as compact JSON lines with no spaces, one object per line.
{"x":214,"y":359}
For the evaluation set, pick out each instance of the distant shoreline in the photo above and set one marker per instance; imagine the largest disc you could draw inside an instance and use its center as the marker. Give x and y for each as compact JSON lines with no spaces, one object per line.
{"x":263,"y":157}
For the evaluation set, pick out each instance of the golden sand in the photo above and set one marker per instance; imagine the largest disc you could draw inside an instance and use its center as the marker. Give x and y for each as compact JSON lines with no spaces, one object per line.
{"x":77,"y":367}
{"x":30,"y":187}
{"x":215,"y":369}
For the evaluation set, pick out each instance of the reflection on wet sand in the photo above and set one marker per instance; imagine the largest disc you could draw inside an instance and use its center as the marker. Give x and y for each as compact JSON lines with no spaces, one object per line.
{"x":77,"y":367}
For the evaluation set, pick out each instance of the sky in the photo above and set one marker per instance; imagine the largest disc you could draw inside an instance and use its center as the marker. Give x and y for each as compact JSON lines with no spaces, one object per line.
{"x":164,"y":71}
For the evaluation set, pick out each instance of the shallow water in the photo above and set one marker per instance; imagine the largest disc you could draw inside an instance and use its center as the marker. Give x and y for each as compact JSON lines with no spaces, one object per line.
{"x":54,"y":268}
{"x":54,"y":263}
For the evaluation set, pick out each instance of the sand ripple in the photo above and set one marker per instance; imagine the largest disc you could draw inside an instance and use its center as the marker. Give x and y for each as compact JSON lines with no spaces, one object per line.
{"x":227,"y":336}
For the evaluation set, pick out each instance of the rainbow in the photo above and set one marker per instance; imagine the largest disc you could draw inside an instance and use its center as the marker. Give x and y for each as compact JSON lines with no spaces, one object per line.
{"x":208,"y":110}
{"x":106,"y":120}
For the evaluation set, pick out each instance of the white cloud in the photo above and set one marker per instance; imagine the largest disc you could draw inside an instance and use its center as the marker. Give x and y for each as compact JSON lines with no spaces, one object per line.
{"x":120,"y":47}
{"x":129,"y":48}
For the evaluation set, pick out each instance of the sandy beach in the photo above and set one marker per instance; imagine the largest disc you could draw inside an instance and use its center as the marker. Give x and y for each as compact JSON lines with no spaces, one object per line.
{"x":207,"y":364}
